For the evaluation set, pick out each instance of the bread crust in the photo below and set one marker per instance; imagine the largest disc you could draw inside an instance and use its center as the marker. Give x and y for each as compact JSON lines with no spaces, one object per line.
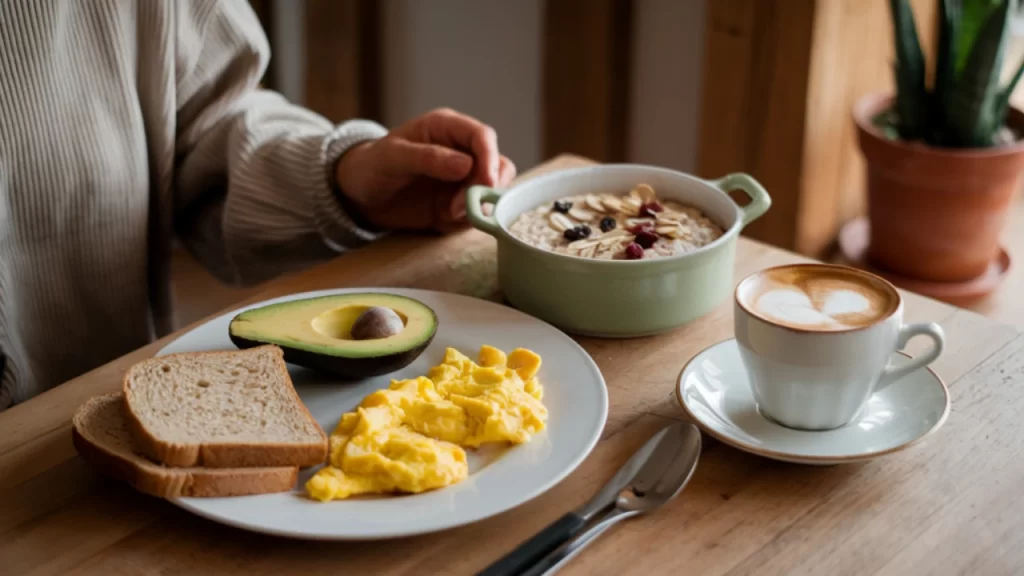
{"x":226,"y":455}
{"x":162,"y":482}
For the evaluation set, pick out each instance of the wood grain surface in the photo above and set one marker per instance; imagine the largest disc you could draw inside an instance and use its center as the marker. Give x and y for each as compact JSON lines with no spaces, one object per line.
{"x":852,"y":56}
{"x":948,"y":505}
{"x":342,"y":39}
{"x":779,"y":84}
{"x":586,"y":77}
{"x":756,"y":57}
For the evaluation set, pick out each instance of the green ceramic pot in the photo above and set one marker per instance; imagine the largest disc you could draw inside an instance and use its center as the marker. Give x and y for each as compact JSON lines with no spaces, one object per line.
{"x":617,"y":298}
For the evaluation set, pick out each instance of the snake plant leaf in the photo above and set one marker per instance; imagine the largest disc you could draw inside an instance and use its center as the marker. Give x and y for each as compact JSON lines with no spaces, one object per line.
{"x":945,"y":68}
{"x":1004,"y":97}
{"x":911,"y":96}
{"x":973,"y":102}
{"x":972,"y":16}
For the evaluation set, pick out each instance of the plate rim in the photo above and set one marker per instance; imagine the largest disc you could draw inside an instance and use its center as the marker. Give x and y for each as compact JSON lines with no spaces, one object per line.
{"x":187,"y":504}
{"x":801,"y":458}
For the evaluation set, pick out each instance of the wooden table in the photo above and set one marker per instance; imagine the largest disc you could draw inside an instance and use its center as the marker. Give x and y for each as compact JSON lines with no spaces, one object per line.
{"x":951,"y":504}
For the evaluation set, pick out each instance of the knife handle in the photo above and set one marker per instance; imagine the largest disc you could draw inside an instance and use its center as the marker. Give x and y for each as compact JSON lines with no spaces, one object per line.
{"x":528,"y":553}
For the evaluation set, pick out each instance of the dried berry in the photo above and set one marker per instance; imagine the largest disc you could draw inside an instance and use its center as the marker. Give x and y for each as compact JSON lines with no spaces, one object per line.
{"x":644,"y":227}
{"x":646,"y":239}
{"x":650,"y":209}
{"x":577,"y":233}
{"x":562,"y":206}
{"x":634,"y":251}
{"x":607,"y":223}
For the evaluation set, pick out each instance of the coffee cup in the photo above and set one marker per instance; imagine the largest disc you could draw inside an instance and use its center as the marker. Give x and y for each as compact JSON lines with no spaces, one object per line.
{"x":817,"y":341}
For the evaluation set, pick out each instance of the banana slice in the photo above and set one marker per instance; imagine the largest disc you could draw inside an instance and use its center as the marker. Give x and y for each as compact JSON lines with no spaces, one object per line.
{"x":560,"y":222}
{"x":612,"y":204}
{"x":595,"y":204}
{"x":581,"y":214}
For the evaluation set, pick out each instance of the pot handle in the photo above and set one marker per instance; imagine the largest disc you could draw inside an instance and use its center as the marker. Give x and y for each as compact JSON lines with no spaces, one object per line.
{"x":760,"y":201}
{"x":475,"y":197}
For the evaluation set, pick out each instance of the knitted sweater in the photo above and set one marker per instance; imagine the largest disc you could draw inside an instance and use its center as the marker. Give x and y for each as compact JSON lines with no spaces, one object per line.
{"x":122,"y":124}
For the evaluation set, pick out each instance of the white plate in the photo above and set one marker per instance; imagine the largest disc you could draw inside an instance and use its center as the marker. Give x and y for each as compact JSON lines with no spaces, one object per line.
{"x":574,"y":393}
{"x":714,"y":391}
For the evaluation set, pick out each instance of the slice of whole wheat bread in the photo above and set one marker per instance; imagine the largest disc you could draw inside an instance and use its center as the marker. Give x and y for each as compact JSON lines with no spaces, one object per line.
{"x":100,"y":434}
{"x":221,"y":410}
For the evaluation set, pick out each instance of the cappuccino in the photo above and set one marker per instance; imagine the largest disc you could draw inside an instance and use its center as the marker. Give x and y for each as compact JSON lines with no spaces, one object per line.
{"x":818,"y":298}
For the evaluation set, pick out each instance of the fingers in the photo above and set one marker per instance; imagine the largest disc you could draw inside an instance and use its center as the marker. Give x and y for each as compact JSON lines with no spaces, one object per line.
{"x":431,"y":160}
{"x":485,"y":148}
{"x":507,"y":172}
{"x":451,"y":212}
{"x":450,"y":128}
{"x":457,"y":208}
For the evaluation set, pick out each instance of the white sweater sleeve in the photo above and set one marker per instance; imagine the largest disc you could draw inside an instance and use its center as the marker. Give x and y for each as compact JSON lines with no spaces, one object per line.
{"x":254,"y":187}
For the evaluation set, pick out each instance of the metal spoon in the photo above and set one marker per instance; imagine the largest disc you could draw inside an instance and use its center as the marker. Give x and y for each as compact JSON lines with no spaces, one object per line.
{"x":662,"y":477}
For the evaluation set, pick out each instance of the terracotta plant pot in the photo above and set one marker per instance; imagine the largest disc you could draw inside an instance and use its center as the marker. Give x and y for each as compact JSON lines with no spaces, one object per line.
{"x":936,"y":213}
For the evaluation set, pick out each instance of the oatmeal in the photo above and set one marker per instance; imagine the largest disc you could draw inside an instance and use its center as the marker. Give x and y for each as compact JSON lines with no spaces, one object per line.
{"x":608,"y":227}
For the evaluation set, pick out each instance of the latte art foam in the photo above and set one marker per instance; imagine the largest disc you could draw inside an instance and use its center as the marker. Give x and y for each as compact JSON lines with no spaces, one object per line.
{"x":796,"y":307}
{"x":817,"y":298}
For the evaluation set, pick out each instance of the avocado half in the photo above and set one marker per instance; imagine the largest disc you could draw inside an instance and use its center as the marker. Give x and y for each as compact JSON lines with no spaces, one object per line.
{"x":317,"y":333}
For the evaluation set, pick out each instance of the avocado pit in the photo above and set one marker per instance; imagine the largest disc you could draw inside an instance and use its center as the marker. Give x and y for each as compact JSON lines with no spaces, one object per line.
{"x":377,"y":322}
{"x":351,"y":322}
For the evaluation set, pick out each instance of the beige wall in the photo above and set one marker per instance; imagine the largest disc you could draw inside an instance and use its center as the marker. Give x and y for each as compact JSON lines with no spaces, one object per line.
{"x":485,"y":56}
{"x":1013,"y":58}
{"x":668,"y":39}
{"x":289,"y":52}
{"x":482,"y":57}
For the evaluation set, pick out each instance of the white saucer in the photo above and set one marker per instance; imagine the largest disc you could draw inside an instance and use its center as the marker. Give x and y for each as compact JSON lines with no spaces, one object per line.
{"x":714,"y":392}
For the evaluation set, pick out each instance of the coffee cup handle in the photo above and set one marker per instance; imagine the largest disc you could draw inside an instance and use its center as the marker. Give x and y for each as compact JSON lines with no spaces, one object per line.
{"x":908,"y":331}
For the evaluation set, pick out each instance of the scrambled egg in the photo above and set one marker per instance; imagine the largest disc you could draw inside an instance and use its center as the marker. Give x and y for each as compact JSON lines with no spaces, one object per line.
{"x":410,"y":437}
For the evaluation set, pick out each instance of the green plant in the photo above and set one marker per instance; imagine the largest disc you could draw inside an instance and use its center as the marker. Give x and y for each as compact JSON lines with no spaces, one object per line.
{"x":966,"y":106}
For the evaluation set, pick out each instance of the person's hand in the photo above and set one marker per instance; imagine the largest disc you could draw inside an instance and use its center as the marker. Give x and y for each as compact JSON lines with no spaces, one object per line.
{"x":415,"y":178}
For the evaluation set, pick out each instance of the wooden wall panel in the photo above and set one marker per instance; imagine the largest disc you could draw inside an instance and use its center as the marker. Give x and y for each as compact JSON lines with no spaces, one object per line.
{"x":853,"y":54}
{"x":343,"y":58}
{"x":780,"y":80}
{"x":586,"y":78}
{"x":757,"y":54}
